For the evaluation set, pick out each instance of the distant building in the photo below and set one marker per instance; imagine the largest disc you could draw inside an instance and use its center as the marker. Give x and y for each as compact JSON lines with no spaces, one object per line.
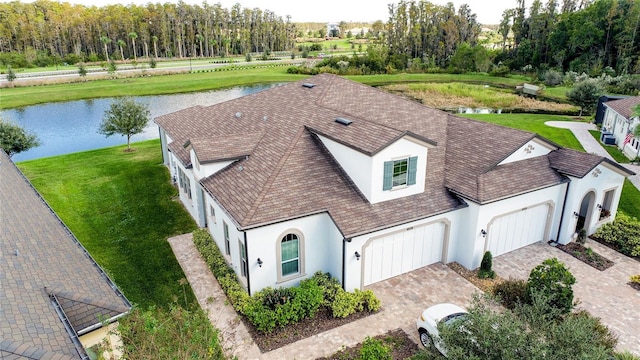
{"x":333,"y":30}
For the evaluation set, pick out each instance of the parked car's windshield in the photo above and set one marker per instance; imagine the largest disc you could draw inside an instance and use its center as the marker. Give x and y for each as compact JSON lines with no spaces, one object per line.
{"x":453,"y":318}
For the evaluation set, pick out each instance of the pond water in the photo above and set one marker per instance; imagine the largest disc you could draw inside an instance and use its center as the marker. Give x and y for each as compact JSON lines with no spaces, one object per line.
{"x":73,"y":126}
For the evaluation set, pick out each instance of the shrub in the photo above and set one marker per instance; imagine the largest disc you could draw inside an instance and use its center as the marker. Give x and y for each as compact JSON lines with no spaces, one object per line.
{"x":501,"y":71}
{"x":374,"y":349}
{"x":582,"y":236}
{"x":345,"y":304}
{"x":635,"y":279}
{"x":485,"y":266}
{"x":512,"y":292}
{"x":271,"y":308}
{"x":552,"y":78}
{"x":623,"y":232}
{"x":554,"y":282}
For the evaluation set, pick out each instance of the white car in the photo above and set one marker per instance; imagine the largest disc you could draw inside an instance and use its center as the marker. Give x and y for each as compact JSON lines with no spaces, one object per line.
{"x":428,"y":323}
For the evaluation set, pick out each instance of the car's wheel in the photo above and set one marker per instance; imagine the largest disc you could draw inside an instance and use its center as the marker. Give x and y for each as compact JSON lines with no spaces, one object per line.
{"x":425,"y":339}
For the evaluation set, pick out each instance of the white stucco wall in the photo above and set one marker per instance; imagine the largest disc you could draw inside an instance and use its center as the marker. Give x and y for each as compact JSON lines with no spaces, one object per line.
{"x":322,"y":250}
{"x":368,"y":172}
{"x":606,"y":179}
{"x":353,"y":266}
{"x":531,"y":149}
{"x":356,"y":164}
{"x":402,"y":148}
{"x":471,"y":244}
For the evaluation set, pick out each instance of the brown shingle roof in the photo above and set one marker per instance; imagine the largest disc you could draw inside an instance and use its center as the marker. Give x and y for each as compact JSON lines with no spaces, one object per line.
{"x":289,"y":173}
{"x":232,"y":147}
{"x":39,"y":252}
{"x":579,"y":164}
{"x":624,"y":106}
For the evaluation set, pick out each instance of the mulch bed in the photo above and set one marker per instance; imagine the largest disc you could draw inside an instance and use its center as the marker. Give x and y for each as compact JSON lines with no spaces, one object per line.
{"x":613,"y":246}
{"x":397,"y":340}
{"x":586,"y":255}
{"x":485,"y":285}
{"x":322,"y":322}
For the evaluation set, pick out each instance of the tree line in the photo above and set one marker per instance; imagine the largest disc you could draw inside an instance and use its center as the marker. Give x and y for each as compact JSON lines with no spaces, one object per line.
{"x":46,"y":30}
{"x":581,"y":36}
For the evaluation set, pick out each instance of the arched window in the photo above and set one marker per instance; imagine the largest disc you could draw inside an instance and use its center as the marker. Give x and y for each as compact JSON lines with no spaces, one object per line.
{"x":290,"y":255}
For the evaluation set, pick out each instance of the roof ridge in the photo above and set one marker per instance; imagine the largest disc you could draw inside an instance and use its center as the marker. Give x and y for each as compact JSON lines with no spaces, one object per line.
{"x":272,"y":177}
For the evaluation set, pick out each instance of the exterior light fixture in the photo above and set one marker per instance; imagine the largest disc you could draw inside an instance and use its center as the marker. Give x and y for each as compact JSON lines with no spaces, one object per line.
{"x":483,"y":233}
{"x":260,"y":262}
{"x":576,"y":214}
{"x":357,"y":255}
{"x":599,"y":207}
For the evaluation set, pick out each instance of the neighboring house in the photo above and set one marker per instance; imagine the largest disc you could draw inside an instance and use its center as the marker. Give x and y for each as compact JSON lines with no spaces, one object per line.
{"x":333,"y":30}
{"x":620,"y":123}
{"x":326,"y":174}
{"x":600,"y":109}
{"x":55,"y":301}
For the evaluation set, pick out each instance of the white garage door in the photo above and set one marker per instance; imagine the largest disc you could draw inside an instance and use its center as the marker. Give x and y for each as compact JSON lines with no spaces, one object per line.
{"x":515,"y":230}
{"x":402,"y":252}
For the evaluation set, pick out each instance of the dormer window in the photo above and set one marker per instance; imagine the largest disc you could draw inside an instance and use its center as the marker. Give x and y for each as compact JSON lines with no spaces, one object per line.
{"x":400,"y":173}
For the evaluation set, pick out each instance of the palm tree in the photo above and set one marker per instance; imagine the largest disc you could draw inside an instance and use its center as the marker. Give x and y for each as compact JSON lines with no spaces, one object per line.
{"x":121,"y":43}
{"x":155,"y":45}
{"x":200,"y":39}
{"x":133,"y":37}
{"x":105,"y":41}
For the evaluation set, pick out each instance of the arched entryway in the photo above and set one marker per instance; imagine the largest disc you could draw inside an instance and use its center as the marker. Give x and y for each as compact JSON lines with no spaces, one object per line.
{"x":586,"y":209}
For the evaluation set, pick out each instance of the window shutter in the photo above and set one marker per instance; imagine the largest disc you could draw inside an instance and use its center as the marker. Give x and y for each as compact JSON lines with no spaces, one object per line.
{"x":413,"y":169}
{"x":387,"y":181}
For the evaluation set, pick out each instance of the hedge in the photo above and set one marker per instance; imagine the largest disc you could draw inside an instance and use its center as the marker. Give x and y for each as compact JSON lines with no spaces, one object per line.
{"x":272,"y":308}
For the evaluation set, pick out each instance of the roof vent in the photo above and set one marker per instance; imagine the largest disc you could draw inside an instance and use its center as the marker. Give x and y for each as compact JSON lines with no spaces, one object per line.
{"x":186,"y":143}
{"x":308,"y":85}
{"x":265,"y":118}
{"x":238,"y":115}
{"x":343,"y":121}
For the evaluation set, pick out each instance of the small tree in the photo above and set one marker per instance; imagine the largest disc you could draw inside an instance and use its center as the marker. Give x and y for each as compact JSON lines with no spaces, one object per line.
{"x":485,"y":266}
{"x":554,"y":282}
{"x":11,"y":75}
{"x":14,"y":139}
{"x":153,"y":63}
{"x":82,"y":70}
{"x":125,"y":117}
{"x":585,"y":94}
{"x":112,"y":67}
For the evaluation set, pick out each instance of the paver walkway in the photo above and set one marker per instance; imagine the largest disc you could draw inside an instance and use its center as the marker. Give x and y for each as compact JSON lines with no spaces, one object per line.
{"x":605,"y":294}
{"x":591,"y":145}
{"x":403,"y":299}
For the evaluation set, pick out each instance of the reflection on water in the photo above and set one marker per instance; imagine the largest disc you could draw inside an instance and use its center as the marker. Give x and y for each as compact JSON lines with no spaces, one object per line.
{"x":73,"y":126}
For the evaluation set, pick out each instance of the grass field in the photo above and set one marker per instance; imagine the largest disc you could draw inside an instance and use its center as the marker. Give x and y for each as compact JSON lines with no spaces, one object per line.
{"x":152,"y":85}
{"x":184,"y":83}
{"x":119,"y":205}
{"x":630,"y":200}
{"x":453,"y":95}
{"x":615,"y":153}
{"x":534,"y":123}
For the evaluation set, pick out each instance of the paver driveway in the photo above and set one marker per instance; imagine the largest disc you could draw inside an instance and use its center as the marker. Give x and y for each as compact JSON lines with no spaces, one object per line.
{"x":604,"y":294}
{"x":403,"y":298}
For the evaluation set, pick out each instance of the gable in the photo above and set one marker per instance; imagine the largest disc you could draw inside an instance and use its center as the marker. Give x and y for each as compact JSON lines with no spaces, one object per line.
{"x":533,"y":148}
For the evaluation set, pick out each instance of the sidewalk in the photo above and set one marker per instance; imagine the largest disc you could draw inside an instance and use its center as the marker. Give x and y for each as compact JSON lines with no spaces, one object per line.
{"x":403,"y":298}
{"x":591,"y":145}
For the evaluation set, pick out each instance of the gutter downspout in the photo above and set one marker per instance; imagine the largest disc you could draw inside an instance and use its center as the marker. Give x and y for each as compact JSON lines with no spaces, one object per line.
{"x":344,"y":265}
{"x":246,"y":249}
{"x":564,"y":205}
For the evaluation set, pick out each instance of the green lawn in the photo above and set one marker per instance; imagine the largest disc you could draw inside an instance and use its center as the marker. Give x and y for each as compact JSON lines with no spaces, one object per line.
{"x":630,"y":200}
{"x":119,"y":205}
{"x":151,"y":85}
{"x":611,"y":149}
{"x":534,"y":123}
{"x":203,"y":81}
